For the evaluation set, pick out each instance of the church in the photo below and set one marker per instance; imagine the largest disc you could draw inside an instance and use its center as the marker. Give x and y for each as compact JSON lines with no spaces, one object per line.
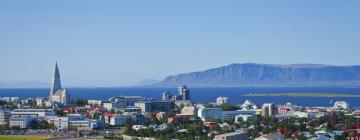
{"x":57,"y":94}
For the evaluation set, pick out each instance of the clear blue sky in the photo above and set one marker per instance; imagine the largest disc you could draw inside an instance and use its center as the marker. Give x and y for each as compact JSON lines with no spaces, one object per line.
{"x":118,"y":43}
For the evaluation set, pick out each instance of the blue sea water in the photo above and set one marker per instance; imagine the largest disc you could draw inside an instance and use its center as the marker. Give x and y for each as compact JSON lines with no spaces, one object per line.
{"x":199,"y":95}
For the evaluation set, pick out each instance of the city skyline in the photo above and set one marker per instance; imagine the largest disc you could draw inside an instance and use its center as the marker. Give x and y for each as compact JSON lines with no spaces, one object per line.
{"x":122,"y":43}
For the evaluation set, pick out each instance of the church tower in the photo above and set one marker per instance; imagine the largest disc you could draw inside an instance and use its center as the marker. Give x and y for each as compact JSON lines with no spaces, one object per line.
{"x":55,"y":83}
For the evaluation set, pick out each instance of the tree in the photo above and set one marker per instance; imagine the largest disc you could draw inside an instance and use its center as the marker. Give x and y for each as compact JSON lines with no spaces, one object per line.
{"x":44,"y":124}
{"x":229,"y":107}
{"x":34,"y":124}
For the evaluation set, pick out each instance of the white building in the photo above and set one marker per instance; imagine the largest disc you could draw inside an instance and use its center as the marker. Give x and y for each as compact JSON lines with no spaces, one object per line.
{"x":205,"y":113}
{"x":20,"y":121}
{"x":341,"y":105}
{"x":61,"y":123}
{"x":4,"y":116}
{"x":15,"y":99}
{"x":117,"y":120}
{"x":248,"y":105}
{"x":33,"y":112}
{"x":95,"y":102}
{"x":243,"y":118}
{"x":110,"y":106}
{"x":269,"y":109}
{"x":57,"y":94}
{"x":221,"y":100}
{"x":188,"y":111}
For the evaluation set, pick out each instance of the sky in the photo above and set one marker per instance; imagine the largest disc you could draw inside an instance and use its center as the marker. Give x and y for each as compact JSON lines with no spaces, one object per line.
{"x":119,"y":43}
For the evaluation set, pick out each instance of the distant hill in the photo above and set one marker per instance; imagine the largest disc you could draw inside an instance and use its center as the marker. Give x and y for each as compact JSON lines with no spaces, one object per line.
{"x":24,"y":84}
{"x":268,"y":75}
{"x":147,"y":82}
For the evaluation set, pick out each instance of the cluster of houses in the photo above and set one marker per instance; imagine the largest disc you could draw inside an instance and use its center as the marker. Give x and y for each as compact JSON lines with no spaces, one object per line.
{"x":118,"y":110}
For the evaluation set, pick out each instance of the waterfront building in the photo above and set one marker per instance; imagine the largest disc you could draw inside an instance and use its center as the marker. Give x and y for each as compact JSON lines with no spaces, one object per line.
{"x":33,"y":112}
{"x":341,"y":105}
{"x":238,"y":135}
{"x":155,"y":106}
{"x":221,"y":100}
{"x":207,"y":113}
{"x":22,"y":122}
{"x":57,"y":94}
{"x":184,"y":93}
{"x":15,"y":99}
{"x":125,"y":101}
{"x":166,"y":96}
{"x":39,"y":101}
{"x":248,"y":105}
{"x":274,"y":136}
{"x":95,"y":102}
{"x":4,"y":116}
{"x":269,"y":109}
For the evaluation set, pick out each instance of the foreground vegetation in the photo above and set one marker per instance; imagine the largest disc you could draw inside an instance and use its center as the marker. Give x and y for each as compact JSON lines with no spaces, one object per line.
{"x":24,"y":137}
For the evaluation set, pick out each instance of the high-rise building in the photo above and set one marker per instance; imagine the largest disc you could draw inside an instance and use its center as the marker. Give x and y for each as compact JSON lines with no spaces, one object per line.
{"x":184,"y":93}
{"x":57,"y":94}
{"x":221,"y":100}
{"x":269,"y":109}
{"x":166,"y":96}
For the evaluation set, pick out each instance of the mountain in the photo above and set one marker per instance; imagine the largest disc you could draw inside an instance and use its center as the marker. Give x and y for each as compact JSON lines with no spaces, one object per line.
{"x":147,"y":82}
{"x":268,"y":75}
{"x":24,"y":84}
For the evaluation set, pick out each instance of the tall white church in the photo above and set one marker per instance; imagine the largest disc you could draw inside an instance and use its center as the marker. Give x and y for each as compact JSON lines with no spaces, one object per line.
{"x":57,"y":94}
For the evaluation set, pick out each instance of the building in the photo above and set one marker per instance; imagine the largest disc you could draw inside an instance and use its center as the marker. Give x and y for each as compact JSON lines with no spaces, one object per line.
{"x":274,"y":136}
{"x":155,"y":106}
{"x":188,"y":111}
{"x":33,"y":112}
{"x":183,"y":103}
{"x":230,"y":115}
{"x":248,"y":105}
{"x":238,"y":135}
{"x":57,"y":94}
{"x":184,"y":93}
{"x":221,"y":100}
{"x":243,"y":118}
{"x":95,"y":102}
{"x":341,"y":105}
{"x":166,"y":96}
{"x":208,"y":113}
{"x":4,"y":116}
{"x":110,"y":106}
{"x":61,"y":123}
{"x":269,"y":109}
{"x":22,"y":122}
{"x":125,"y":101}
{"x":117,"y":120}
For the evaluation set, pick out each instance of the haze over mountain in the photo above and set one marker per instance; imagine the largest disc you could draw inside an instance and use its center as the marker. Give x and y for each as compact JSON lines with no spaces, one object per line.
{"x":268,"y":75}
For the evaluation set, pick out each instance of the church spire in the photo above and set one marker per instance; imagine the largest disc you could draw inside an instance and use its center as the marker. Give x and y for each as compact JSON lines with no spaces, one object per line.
{"x":55,"y":83}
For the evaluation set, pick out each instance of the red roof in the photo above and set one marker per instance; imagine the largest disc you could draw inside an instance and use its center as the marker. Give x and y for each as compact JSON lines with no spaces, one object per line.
{"x":107,"y":114}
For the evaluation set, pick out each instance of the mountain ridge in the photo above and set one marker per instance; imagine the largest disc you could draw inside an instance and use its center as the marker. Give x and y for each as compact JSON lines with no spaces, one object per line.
{"x":268,"y":75}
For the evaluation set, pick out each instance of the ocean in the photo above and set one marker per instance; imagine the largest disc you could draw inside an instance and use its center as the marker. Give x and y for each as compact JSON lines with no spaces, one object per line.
{"x":199,"y":95}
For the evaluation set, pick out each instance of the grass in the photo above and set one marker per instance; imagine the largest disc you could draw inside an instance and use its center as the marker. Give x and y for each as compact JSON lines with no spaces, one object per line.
{"x":24,"y":137}
{"x":304,"y":94}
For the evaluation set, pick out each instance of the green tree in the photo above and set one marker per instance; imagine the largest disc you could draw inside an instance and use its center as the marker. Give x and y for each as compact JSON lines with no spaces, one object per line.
{"x":34,"y":124}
